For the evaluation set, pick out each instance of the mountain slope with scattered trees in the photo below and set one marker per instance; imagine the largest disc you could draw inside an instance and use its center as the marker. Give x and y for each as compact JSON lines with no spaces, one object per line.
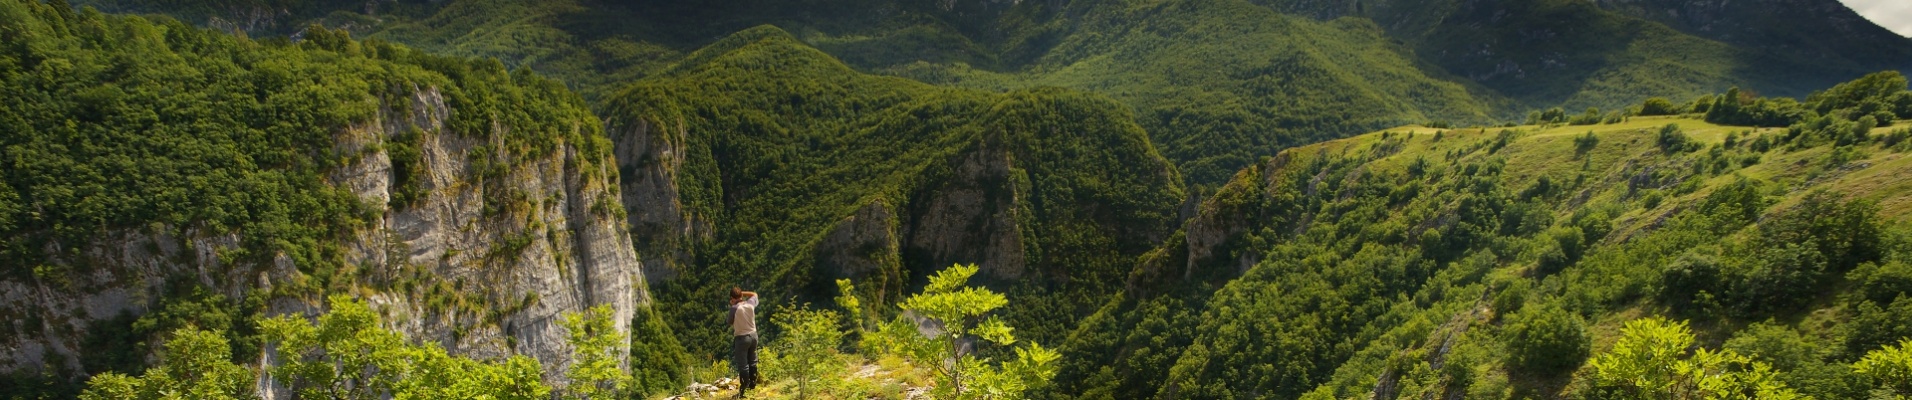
{"x":1514,"y":262}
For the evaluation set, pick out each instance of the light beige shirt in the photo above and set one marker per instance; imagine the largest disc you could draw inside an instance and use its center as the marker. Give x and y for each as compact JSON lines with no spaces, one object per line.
{"x":743,"y":317}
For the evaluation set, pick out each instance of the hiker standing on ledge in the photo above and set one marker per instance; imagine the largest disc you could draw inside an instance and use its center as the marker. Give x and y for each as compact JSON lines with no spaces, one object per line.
{"x":743,"y":345}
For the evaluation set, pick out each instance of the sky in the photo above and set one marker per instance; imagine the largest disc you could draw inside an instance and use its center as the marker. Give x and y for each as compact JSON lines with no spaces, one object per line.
{"x":1891,"y":14}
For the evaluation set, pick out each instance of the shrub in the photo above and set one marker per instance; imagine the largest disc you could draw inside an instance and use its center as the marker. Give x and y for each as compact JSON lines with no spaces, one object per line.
{"x":195,"y":365}
{"x":806,"y":351}
{"x":1890,"y":369}
{"x":1673,"y":140}
{"x":963,"y":313}
{"x":1548,"y":341}
{"x":1650,"y":361}
{"x":594,"y":341}
{"x":1584,"y":143}
{"x":1659,"y":106}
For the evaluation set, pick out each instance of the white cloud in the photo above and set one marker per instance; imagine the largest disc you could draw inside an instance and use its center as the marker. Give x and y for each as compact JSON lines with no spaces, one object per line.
{"x":1891,"y":14}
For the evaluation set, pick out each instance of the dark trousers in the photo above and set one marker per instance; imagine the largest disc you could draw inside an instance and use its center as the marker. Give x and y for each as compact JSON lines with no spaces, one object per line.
{"x":743,"y":358}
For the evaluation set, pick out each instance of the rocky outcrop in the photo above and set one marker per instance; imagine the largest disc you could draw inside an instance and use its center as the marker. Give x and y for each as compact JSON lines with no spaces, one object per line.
{"x":651,"y":159}
{"x":969,"y":216}
{"x":861,"y":247}
{"x":484,"y":264}
{"x":541,"y":240}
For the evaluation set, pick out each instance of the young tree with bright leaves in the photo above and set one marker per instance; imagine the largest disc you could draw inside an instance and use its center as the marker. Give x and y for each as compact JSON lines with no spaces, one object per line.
{"x":345,"y":354}
{"x":807,"y":349}
{"x":964,"y":313}
{"x":595,"y":343}
{"x":1650,"y":361}
{"x":1890,"y":369}
{"x":342,"y":355}
{"x":197,"y":365}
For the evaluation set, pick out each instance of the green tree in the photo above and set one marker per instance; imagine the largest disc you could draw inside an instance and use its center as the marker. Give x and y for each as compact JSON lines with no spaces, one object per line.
{"x":1673,"y":140}
{"x":196,"y":365}
{"x":1650,"y":361}
{"x":964,"y":317}
{"x":595,"y":343}
{"x":1585,"y":143}
{"x":1658,"y":106}
{"x":345,"y":354}
{"x":1890,"y":369}
{"x":807,"y":349}
{"x":1547,"y":340}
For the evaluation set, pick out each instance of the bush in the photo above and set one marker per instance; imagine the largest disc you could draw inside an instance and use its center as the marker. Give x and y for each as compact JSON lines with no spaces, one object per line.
{"x":1659,"y":106}
{"x":1690,"y":282}
{"x":1874,"y":325}
{"x":1650,"y":361}
{"x":1880,"y":283}
{"x":1584,"y":143}
{"x":963,"y":312}
{"x":1890,"y":369}
{"x":806,"y":351}
{"x":1800,"y":361}
{"x":196,"y":365}
{"x":1673,"y":140}
{"x":1548,"y":341}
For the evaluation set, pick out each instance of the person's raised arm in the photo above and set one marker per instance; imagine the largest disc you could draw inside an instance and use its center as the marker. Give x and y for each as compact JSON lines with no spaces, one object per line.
{"x":750,"y":297}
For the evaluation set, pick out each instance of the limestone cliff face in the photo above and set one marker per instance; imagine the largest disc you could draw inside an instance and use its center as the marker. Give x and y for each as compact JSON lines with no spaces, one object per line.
{"x":483,"y":264}
{"x":971,"y":216}
{"x":651,"y":158}
{"x":544,"y":241}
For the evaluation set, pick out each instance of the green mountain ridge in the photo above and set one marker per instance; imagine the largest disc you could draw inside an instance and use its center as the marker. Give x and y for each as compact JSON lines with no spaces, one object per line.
{"x":1390,"y":263}
{"x":795,"y":158}
{"x":1194,"y":70}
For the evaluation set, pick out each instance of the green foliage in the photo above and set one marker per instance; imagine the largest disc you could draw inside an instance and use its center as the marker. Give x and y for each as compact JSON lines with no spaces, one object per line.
{"x":852,"y":305}
{"x":1673,"y":140}
{"x":962,"y":314}
{"x":595,"y":342}
{"x":1659,"y":106}
{"x":659,"y":363}
{"x":1878,"y":324}
{"x":1650,"y":361}
{"x":1585,"y":143}
{"x":1546,"y":341}
{"x":1745,"y":109}
{"x":129,"y":124}
{"x":1218,"y":84}
{"x":806,"y":349}
{"x":197,"y":364}
{"x":1890,"y":369}
{"x":1801,"y":361}
{"x":786,"y":145}
{"x":345,"y":354}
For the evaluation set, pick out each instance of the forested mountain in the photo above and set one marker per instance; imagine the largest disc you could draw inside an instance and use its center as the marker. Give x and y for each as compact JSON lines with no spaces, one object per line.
{"x":1483,"y":263}
{"x":784,"y":169}
{"x":160,"y":177}
{"x":1217,"y":83}
{"x":1181,"y":198}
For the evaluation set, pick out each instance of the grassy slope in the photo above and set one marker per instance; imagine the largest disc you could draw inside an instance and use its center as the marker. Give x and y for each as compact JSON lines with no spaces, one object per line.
{"x":787,"y":141}
{"x":1333,"y":235}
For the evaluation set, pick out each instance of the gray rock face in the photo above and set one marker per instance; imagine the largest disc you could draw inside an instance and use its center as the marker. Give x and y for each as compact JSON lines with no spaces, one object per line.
{"x":971,"y":217}
{"x":484,"y":268}
{"x":651,"y":158}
